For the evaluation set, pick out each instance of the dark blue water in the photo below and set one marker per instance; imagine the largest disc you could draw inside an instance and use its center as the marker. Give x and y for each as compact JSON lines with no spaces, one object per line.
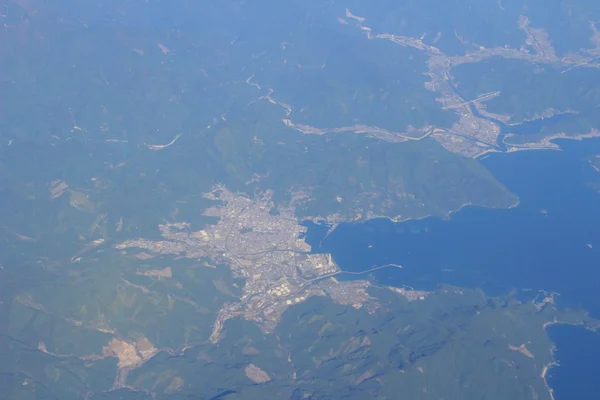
{"x":578,"y":355}
{"x":544,"y":243}
{"x":541,"y":244}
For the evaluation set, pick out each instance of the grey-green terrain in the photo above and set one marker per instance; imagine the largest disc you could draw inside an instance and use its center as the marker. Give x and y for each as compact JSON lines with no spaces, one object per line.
{"x":158,"y":161}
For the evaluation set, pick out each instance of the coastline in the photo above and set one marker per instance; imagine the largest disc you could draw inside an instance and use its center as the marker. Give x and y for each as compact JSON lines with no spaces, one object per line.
{"x":548,"y":142}
{"x":334,"y":225}
{"x":554,"y":363}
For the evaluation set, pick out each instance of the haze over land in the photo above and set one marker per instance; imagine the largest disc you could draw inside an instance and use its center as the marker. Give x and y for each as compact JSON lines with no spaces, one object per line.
{"x":158,"y":164}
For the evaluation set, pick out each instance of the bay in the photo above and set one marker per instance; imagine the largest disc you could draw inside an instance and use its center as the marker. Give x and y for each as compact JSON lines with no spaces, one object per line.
{"x":549,"y":242}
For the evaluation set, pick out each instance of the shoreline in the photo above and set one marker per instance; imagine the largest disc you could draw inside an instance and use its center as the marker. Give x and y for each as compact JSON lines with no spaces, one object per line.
{"x":554,"y":363}
{"x":548,"y":142}
{"x":488,"y":152}
{"x":444,"y":217}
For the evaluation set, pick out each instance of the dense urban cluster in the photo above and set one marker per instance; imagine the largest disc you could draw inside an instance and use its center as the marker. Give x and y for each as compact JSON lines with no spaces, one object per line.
{"x":263,"y":245}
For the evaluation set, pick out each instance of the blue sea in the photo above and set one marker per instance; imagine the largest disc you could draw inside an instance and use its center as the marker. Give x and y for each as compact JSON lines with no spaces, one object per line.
{"x":550,"y":241}
{"x":578,"y":352}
